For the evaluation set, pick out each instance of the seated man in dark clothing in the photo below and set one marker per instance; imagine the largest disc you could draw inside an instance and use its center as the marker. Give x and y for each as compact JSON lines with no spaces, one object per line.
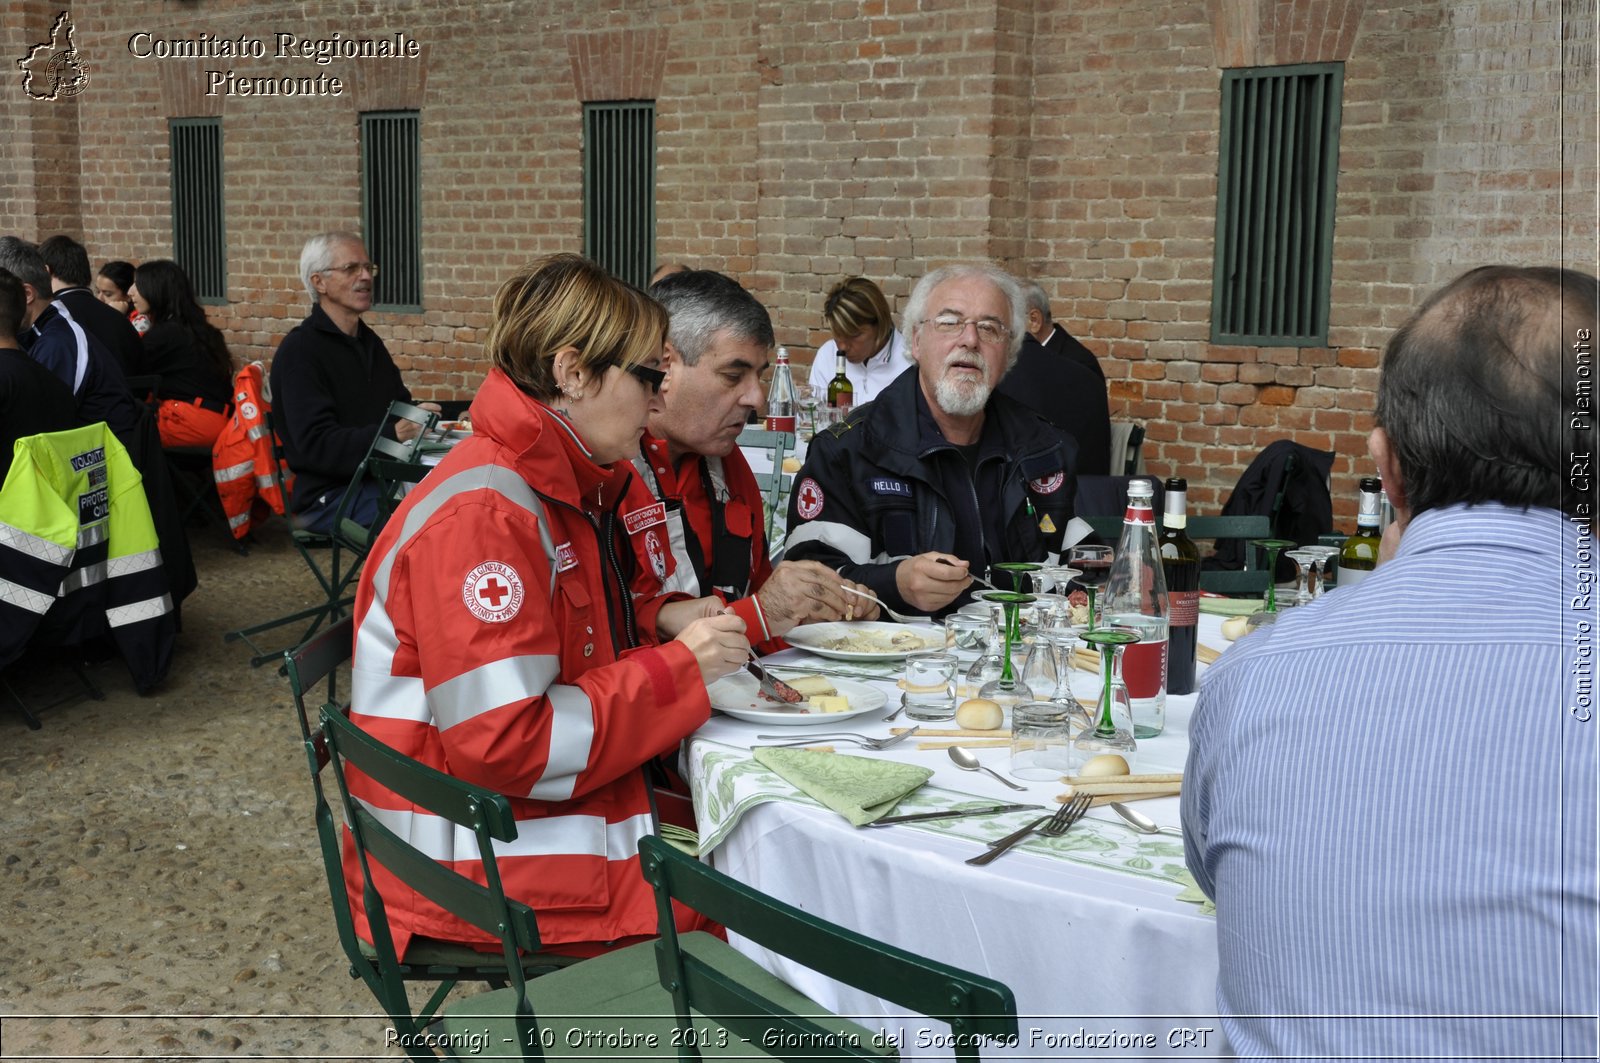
{"x":32,"y":400}
{"x":56,"y":341}
{"x":68,"y":264}
{"x":1059,"y":379}
{"x":332,"y":383}
{"x":938,"y":476}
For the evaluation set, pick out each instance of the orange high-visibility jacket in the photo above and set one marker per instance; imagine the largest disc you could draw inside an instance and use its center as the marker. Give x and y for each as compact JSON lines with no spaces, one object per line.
{"x":241,"y":458}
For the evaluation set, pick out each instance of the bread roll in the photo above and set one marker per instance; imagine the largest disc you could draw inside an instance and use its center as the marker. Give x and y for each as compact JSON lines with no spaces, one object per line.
{"x":980,"y":714}
{"x":1234,"y":627}
{"x":1103,"y":766}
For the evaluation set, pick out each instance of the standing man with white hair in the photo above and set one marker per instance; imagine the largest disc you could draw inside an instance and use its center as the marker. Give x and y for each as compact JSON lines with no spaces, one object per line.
{"x":332,"y":383}
{"x":939,"y":476}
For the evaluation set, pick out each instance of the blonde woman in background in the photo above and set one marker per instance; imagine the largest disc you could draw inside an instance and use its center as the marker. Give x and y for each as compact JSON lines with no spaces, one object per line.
{"x":857,"y":314}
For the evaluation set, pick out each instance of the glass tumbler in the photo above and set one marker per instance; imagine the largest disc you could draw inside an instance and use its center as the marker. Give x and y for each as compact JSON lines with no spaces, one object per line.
{"x":1040,"y":747}
{"x":930,"y":689}
{"x":966,"y":633}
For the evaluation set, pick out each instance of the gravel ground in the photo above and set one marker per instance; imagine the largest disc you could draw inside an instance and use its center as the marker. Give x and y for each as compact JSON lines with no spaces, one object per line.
{"x":164,"y":891}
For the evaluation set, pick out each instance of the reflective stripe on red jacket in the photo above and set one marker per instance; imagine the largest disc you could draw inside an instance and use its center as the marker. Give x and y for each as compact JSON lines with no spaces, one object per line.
{"x":241,"y":458}
{"x":492,"y":644}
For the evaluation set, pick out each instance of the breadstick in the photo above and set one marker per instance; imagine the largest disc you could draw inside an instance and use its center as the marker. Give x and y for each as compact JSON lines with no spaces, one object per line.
{"x":1117,"y":786}
{"x":952,"y":732}
{"x":1175,"y":778}
{"x":969,"y":743}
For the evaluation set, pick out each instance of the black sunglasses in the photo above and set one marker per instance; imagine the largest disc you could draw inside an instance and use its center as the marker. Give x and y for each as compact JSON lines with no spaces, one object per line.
{"x":653,"y":377}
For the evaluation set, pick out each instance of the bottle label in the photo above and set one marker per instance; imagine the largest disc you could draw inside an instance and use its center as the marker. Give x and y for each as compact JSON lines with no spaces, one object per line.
{"x":1183,"y":608}
{"x":1137,"y":514}
{"x":1349,"y":577}
{"x":842,"y":400}
{"x":1144,"y":668}
{"x":780,"y":424}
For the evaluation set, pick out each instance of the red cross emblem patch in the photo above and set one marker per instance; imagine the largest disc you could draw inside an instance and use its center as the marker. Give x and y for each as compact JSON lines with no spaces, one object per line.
{"x":492,"y":592}
{"x":808,"y":498}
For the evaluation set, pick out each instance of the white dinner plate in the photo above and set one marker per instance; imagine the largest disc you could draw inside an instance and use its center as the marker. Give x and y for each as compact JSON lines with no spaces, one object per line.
{"x":739,"y":695}
{"x":814,"y":638}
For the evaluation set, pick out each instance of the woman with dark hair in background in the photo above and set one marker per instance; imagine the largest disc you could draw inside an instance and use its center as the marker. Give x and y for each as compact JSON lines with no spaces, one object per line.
{"x":189,"y":353}
{"x":111,"y":284}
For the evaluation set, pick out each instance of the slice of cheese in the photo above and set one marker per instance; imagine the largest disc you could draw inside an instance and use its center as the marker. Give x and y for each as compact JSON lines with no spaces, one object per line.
{"x":828,"y":703}
{"x":812,"y":684}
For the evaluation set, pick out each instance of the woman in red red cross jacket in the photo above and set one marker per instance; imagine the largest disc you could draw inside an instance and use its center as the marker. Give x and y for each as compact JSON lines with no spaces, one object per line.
{"x":499,"y":634}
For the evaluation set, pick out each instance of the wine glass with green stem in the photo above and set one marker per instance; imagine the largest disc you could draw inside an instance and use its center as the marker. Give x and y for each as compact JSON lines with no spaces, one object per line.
{"x":1105,"y":735}
{"x":1007,"y":688}
{"x":1268,"y":613}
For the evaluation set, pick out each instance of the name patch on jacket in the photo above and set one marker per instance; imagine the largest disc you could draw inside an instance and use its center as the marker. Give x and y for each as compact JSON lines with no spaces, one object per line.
{"x":93,"y":506}
{"x":648,"y":517}
{"x":566,"y":557}
{"x":492,"y":592}
{"x":886,"y":485}
{"x":79,"y":462}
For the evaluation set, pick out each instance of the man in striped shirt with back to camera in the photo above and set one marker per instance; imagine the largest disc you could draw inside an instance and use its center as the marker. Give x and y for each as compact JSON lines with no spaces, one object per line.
{"x":1391,"y":793}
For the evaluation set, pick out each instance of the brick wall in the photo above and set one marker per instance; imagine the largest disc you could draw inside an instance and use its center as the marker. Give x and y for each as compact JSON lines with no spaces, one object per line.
{"x":800,"y":141}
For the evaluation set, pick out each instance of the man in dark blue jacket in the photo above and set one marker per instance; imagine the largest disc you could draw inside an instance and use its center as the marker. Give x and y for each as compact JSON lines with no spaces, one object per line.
{"x":332,"y":383}
{"x":938,"y":477}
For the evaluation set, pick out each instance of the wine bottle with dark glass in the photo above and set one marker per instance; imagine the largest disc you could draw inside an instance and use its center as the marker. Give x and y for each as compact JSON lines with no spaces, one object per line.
{"x":1360,"y":553}
{"x":1180,"y":564}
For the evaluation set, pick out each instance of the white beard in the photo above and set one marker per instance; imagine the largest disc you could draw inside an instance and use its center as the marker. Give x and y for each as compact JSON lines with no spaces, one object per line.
{"x":960,"y":398}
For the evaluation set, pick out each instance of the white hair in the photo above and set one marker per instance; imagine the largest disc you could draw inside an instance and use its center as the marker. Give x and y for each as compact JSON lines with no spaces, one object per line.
{"x":1010,"y":288}
{"x":317,"y":255}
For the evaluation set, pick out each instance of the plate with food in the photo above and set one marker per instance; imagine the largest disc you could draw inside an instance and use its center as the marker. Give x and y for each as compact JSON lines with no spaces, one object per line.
{"x":865,"y":640}
{"x":460,"y":428}
{"x":826,"y":700}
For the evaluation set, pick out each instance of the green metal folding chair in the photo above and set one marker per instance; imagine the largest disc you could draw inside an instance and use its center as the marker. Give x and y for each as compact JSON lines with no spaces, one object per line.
{"x":446,"y":963}
{"x":346,"y":547}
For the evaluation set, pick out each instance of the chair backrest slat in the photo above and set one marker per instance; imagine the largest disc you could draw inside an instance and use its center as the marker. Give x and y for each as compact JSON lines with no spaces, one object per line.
{"x":970,"y":1003}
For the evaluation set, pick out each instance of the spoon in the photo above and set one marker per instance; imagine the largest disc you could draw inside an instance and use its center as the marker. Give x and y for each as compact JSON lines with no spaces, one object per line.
{"x":967,"y":762}
{"x":1143,"y":823}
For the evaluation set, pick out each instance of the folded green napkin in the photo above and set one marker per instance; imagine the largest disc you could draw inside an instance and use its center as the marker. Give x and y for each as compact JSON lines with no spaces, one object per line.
{"x":1230,"y":606}
{"x":858,"y":788}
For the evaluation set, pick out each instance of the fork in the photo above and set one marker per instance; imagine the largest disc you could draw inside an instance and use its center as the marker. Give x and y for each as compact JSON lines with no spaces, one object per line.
{"x":1049,"y":826}
{"x":901,"y":617}
{"x":840,"y":736}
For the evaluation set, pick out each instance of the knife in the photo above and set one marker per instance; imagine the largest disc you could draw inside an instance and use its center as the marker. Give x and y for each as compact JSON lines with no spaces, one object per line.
{"x":773,"y":687}
{"x":955,"y":813}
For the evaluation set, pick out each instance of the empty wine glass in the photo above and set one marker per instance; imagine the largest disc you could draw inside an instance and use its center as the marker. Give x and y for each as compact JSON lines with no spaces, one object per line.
{"x":1319,"y":566}
{"x":1020,"y":574}
{"x":1006,"y":688}
{"x":1042,"y":668}
{"x":1094,"y":568}
{"x":1112,"y":730}
{"x":1303,"y":559}
{"x":1268,"y":613}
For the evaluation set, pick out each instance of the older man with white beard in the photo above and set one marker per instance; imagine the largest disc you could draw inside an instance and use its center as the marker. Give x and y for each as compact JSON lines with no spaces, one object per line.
{"x":939,"y":477}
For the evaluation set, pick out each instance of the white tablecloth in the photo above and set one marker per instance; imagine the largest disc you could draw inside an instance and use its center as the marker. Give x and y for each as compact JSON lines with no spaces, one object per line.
{"x":1102,"y":961}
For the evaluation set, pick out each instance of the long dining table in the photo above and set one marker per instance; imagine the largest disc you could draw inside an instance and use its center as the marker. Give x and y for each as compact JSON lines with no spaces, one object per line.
{"x":1100,"y":934}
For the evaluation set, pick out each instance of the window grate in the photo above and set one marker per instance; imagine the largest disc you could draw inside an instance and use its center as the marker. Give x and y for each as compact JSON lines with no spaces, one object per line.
{"x":1279,"y":164}
{"x":199,"y":236}
{"x":619,"y":188}
{"x":391,"y":206}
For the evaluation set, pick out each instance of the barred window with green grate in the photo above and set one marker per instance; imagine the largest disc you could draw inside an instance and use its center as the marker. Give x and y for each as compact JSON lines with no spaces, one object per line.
{"x":1279,"y":164}
{"x":391,"y":206}
{"x":619,"y":187}
{"x":199,"y":236}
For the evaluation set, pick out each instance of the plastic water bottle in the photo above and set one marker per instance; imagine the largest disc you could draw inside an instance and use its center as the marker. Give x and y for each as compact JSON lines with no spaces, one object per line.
{"x":780,"y":396}
{"x":1135,"y":598}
